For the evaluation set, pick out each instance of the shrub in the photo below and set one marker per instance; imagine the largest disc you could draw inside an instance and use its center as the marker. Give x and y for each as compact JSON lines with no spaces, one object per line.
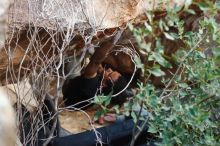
{"x":186,"y":110}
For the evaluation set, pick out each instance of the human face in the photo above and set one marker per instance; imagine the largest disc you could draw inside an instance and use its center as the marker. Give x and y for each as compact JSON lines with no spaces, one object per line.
{"x":109,"y":74}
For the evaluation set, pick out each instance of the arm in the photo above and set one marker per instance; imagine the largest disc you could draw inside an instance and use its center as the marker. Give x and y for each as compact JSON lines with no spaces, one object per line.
{"x":99,"y":56}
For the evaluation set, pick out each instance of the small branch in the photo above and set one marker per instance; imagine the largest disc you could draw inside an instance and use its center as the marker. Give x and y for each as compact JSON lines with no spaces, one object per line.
{"x":180,"y":66}
{"x":205,"y":99}
{"x":134,"y":136}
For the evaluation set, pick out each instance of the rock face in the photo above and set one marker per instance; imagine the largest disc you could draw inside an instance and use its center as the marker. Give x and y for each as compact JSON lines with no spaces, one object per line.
{"x":7,"y":116}
{"x":4,"y":4}
{"x":7,"y":123}
{"x":98,"y":14}
{"x":82,"y":14}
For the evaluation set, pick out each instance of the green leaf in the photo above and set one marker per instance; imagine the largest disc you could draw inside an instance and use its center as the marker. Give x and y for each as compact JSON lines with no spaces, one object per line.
{"x":98,"y":114}
{"x":183,"y":85}
{"x":156,"y":72}
{"x":159,"y":47}
{"x":158,"y":58}
{"x":182,"y":93}
{"x":192,"y":112}
{"x":146,"y":47}
{"x":203,"y":6}
{"x":148,"y":27}
{"x":174,"y":35}
{"x":152,"y":129}
{"x":168,"y":36}
{"x":177,"y":140}
{"x":116,"y":109}
{"x":170,"y":118}
{"x":103,"y":99}
{"x":134,"y":116}
{"x":216,"y":51}
{"x":139,"y":63}
{"x":153,"y":101}
{"x":107,"y":100}
{"x":190,"y":11}
{"x":165,"y":108}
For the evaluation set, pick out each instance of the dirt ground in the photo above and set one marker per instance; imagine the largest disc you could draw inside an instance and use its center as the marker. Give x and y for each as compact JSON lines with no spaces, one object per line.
{"x":77,"y":121}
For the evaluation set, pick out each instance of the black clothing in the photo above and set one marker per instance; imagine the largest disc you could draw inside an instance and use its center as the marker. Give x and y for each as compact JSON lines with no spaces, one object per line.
{"x":80,"y":89}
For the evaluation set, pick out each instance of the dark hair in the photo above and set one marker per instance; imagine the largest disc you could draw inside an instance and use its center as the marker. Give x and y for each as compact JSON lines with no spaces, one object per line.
{"x":116,"y":87}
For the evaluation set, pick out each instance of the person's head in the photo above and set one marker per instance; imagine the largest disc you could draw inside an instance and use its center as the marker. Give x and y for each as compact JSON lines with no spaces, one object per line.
{"x":114,"y":83}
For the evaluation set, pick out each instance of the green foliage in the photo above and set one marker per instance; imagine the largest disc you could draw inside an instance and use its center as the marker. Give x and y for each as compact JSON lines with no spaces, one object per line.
{"x":184,"y":117}
{"x":186,"y":111}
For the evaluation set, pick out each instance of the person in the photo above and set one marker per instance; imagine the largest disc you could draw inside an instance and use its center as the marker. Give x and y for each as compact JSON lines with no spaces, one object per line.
{"x":79,"y":92}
